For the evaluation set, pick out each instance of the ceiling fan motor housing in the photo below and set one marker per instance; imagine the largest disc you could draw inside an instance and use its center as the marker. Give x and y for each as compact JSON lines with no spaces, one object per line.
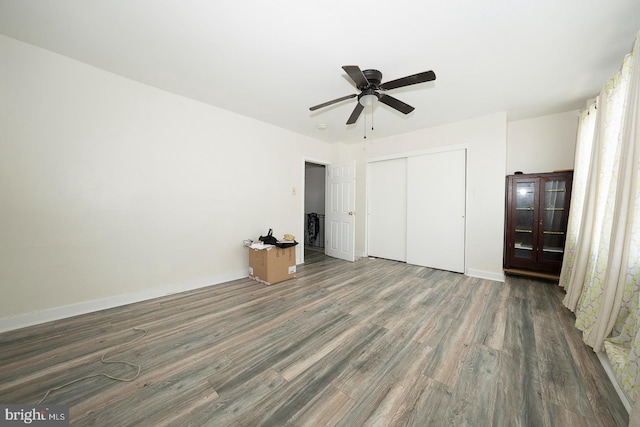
{"x":374,"y":77}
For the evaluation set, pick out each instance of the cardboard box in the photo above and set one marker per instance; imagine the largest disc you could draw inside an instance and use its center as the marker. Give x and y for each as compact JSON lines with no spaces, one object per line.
{"x":272,"y":265}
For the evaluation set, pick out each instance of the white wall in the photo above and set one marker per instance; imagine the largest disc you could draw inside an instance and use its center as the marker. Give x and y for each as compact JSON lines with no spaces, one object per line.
{"x":485,"y":140}
{"x":113,"y":191}
{"x":542,"y":144}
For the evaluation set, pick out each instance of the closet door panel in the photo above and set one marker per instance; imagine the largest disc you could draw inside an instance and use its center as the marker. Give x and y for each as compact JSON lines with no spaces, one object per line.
{"x":386,"y":209}
{"x":436,"y":188}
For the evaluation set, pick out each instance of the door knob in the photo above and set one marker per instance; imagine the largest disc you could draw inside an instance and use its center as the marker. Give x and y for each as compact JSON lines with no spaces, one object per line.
{"x":351,"y":213}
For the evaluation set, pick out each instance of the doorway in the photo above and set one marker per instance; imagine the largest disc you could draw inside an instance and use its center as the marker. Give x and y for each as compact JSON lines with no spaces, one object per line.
{"x":314,"y":207}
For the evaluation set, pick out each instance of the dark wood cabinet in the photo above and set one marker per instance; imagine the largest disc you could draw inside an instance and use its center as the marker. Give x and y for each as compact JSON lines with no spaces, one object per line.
{"x":536,"y":223}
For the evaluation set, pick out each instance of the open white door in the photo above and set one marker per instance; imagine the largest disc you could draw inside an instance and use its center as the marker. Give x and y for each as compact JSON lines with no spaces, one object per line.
{"x":340,"y":211}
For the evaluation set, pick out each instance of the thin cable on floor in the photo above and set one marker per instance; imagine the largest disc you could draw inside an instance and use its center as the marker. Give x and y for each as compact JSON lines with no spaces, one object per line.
{"x":103,"y":374}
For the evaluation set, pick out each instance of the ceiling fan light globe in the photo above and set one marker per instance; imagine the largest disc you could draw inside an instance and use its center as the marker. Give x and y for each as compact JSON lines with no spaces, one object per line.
{"x":368,"y":100}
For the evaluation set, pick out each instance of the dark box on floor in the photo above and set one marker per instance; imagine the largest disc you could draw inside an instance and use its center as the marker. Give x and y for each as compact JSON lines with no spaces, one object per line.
{"x":272,"y":265}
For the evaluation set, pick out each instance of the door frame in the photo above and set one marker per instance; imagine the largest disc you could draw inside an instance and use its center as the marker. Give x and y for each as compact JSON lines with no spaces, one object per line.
{"x":306,"y":160}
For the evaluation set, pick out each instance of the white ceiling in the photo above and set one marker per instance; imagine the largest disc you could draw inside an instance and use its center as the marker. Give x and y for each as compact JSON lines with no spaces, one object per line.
{"x":272,"y":60}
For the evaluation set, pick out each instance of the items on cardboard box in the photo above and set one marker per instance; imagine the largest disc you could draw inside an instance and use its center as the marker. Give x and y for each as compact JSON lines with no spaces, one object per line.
{"x":288,"y":241}
{"x":269,"y":239}
{"x":271,"y":264}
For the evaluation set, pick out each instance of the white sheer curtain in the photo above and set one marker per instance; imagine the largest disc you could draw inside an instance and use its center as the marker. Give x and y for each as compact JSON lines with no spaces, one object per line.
{"x":573,"y":267}
{"x":601,"y":268}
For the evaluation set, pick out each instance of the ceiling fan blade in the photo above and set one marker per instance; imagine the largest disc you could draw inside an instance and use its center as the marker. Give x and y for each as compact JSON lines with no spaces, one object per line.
{"x":356,"y":113}
{"x":427,"y":76}
{"x":396,"y":104}
{"x":356,"y":75}
{"x":326,"y":104}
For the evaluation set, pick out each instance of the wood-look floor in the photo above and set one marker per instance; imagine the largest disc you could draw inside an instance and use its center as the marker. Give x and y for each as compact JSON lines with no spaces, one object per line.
{"x":370,"y":343}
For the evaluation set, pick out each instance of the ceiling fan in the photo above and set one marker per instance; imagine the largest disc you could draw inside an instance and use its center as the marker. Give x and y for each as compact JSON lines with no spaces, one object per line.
{"x":369,"y":84}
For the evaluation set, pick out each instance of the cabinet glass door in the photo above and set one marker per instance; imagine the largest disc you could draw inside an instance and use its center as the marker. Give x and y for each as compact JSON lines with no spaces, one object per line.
{"x":524,"y":219}
{"x":553,"y":235}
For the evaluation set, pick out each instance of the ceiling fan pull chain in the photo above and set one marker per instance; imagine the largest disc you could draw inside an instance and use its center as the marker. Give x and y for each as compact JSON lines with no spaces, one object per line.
{"x":371,"y":116}
{"x":365,"y":125}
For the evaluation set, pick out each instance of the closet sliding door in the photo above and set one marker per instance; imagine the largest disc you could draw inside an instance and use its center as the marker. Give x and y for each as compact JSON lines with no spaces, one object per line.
{"x":436,"y":193}
{"x":386,"y":209}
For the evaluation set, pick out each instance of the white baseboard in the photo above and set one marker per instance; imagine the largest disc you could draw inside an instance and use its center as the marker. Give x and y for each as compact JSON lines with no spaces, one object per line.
{"x":489,"y":275}
{"x":57,"y":313}
{"x":604,"y":360}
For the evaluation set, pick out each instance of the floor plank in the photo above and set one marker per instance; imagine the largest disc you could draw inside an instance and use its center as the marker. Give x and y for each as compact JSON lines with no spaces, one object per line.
{"x":374,"y":342}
